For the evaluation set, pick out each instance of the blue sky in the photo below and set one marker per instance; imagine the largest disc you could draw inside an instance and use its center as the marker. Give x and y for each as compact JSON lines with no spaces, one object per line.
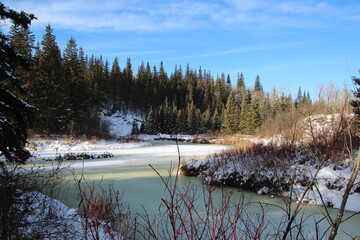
{"x":306,"y":43}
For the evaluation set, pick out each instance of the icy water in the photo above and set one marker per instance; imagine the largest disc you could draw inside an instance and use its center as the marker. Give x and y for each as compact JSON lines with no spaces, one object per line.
{"x":141,"y":187}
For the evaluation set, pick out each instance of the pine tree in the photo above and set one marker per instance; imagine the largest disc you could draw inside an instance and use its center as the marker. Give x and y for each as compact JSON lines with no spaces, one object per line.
{"x":115,"y":82}
{"x":258,"y":86}
{"x":249,"y":116}
{"x":48,"y":90}
{"x":75,"y":85}
{"x":216,"y":120}
{"x":126,"y":87}
{"x":15,"y":114}
{"x":193,"y":120}
{"x":240,"y":87}
{"x":207,"y":116}
{"x":299,"y":98}
{"x":150,"y":122}
{"x":356,"y":102}
{"x":135,"y":128}
{"x":22,"y":40}
{"x":181,"y":122}
{"x":308,"y":98}
{"x":231,"y":115}
{"x":244,"y":121}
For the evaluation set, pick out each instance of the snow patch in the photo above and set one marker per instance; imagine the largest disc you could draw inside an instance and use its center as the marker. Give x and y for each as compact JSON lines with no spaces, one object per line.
{"x":120,"y":124}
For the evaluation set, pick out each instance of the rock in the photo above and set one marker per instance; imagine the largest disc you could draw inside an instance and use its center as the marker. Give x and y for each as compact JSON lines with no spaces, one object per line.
{"x":263,"y":190}
{"x":189,"y":171}
{"x":81,"y":156}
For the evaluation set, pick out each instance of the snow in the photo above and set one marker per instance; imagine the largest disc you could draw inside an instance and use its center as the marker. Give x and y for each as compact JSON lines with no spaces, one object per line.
{"x":248,"y":169}
{"x":57,"y":221}
{"x":120,"y":124}
{"x":52,"y":147}
{"x":179,"y":137}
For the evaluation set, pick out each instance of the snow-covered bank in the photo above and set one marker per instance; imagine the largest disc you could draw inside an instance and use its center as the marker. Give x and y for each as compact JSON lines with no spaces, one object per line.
{"x":51,"y":147}
{"x":179,"y":137}
{"x":262,"y":173}
{"x":48,"y":218}
{"x":120,"y":124}
{"x":65,"y":144}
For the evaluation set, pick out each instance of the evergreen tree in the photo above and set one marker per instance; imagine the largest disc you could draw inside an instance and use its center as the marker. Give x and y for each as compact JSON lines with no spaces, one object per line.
{"x":308,"y":98}
{"x":135,"y":128}
{"x":15,"y":114}
{"x":258,"y":86}
{"x":75,"y":85}
{"x":150,"y":122}
{"x":356,"y":102}
{"x":240,"y":87}
{"x":193,"y":120}
{"x":207,"y":116}
{"x":244,"y":122}
{"x":49,"y":94}
{"x":299,"y":98}
{"x":22,"y":40}
{"x":126,"y":87}
{"x":181,"y":122}
{"x":115,"y":82}
{"x":216,"y":120}
{"x":231,"y":115}
{"x":249,"y":116}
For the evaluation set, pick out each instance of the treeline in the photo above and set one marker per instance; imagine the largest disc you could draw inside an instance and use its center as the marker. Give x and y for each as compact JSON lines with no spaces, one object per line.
{"x":70,"y":90}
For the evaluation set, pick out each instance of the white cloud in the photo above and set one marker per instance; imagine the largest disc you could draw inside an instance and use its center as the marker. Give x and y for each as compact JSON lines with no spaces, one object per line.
{"x":246,"y":49}
{"x":155,"y":16}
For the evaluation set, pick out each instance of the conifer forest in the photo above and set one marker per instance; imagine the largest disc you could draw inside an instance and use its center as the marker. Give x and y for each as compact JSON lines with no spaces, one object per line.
{"x":70,"y":90}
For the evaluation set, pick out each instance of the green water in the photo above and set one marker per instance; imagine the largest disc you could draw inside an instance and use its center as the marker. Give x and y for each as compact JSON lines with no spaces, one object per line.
{"x":142,"y":188}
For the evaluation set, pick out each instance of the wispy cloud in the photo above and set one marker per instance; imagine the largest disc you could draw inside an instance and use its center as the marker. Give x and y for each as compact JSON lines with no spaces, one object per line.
{"x":245,"y":49}
{"x":157,"y":16}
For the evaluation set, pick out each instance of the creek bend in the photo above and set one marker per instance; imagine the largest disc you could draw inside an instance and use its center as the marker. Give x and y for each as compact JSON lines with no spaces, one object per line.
{"x":141,"y":187}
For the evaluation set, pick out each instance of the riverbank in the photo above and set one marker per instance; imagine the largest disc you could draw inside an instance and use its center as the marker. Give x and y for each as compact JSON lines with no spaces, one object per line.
{"x":283,"y":171}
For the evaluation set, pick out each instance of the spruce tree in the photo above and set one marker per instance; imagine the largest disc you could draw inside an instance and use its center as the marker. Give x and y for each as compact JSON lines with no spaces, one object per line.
{"x":244,"y":121}
{"x":75,"y":85}
{"x":193,"y":120}
{"x":299,"y":98}
{"x":22,"y":40}
{"x":240,"y":87}
{"x":249,"y":115}
{"x":49,"y":93}
{"x":231,"y":115}
{"x":115,"y":79}
{"x":207,"y":117}
{"x":135,"y":128}
{"x":15,"y":114}
{"x":216,"y":120}
{"x":181,"y":122}
{"x":258,"y":86}
{"x":356,"y":102}
{"x":150,"y":122}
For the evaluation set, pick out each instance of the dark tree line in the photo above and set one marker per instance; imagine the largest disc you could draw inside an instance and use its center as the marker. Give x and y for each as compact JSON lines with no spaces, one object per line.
{"x":70,"y":90}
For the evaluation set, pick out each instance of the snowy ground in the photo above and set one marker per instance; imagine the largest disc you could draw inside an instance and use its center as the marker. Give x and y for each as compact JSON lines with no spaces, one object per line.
{"x":51,"y":219}
{"x":120,"y":124}
{"x":251,"y":171}
{"x":331,"y":180}
{"x":46,"y":148}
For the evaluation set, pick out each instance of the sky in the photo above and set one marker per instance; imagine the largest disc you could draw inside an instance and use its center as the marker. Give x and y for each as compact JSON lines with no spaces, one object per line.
{"x":289,"y":44}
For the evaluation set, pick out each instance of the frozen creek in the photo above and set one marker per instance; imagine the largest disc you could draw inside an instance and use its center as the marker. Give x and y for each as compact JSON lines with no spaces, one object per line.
{"x":130,"y":173}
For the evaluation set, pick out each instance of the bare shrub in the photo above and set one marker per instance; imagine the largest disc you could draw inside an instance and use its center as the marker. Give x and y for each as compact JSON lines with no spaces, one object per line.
{"x":186,"y":214}
{"x":102,"y":211}
{"x":19,"y":191}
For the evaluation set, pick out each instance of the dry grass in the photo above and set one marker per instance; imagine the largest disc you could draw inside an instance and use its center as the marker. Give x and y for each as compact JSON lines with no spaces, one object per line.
{"x":238,"y":140}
